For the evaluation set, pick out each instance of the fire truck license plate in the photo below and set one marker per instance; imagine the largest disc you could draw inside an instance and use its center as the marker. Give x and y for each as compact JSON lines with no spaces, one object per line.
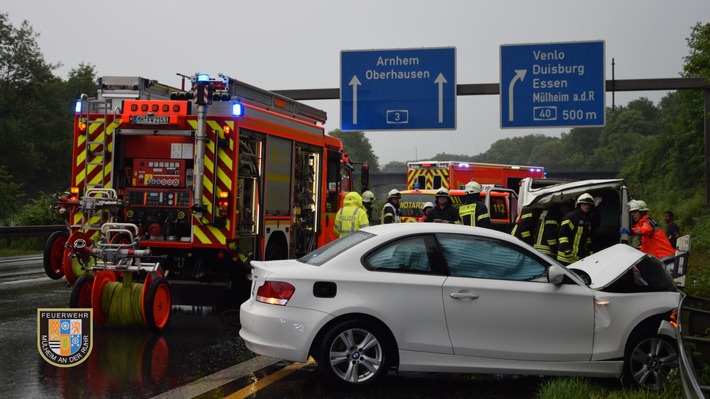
{"x":151,"y":120}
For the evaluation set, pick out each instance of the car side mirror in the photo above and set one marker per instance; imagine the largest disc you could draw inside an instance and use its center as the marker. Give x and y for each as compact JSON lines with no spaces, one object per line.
{"x":555,"y":274}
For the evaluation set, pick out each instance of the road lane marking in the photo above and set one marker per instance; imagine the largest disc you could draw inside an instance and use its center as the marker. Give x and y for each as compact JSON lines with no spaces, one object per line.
{"x":268,"y":380}
{"x":219,"y":378}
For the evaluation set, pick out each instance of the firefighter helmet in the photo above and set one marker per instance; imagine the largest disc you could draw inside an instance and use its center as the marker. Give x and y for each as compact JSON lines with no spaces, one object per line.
{"x":585,"y":198}
{"x":642,"y":206}
{"x":427,"y":205}
{"x":443,"y":192}
{"x":394,"y":193}
{"x":473,"y":187}
{"x":634,"y":206}
{"x":368,"y":196}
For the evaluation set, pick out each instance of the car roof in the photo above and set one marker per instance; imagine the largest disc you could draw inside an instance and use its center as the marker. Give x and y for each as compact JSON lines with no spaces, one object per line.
{"x":558,"y":193}
{"x":419,"y":228}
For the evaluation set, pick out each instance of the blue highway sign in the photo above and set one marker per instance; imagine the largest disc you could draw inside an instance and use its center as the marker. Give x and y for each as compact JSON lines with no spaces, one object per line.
{"x":552,"y":85}
{"x":402,"y":89}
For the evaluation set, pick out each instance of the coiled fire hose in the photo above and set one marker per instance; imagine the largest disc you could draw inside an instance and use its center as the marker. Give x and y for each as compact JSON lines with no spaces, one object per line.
{"x":122,"y":301}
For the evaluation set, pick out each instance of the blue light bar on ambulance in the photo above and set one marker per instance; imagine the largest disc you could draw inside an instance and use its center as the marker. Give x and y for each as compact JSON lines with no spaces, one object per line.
{"x":77,"y":107}
{"x":237,"y":109}
{"x":203,"y":77}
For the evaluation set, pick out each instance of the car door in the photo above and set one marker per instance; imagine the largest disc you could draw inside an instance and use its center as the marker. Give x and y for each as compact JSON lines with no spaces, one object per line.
{"x":406,"y":286}
{"x":499,"y":304}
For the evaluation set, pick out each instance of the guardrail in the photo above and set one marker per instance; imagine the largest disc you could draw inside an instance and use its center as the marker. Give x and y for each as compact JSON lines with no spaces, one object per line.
{"x":9,"y":233}
{"x":693,"y":338}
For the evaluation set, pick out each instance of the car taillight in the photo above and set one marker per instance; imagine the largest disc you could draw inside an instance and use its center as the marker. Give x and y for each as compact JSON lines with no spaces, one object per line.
{"x":275,"y":292}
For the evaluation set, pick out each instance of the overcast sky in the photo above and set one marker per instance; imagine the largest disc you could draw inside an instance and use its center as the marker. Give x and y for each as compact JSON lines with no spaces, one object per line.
{"x":296,"y":45}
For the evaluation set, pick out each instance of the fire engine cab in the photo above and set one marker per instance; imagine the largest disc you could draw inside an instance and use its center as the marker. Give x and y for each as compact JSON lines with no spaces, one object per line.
{"x":185,"y":186}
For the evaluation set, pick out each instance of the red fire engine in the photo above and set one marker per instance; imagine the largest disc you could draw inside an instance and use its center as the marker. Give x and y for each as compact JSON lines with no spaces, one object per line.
{"x":454,"y":175}
{"x":174,"y":191}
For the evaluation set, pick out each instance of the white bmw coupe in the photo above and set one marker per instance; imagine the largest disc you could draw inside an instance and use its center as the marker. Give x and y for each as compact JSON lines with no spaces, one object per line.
{"x":433,"y":297}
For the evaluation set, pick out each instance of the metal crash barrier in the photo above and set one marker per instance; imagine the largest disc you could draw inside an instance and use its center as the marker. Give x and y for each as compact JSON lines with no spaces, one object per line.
{"x":693,"y":338}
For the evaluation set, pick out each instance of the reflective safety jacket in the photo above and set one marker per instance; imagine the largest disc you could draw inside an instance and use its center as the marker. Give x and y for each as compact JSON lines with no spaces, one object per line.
{"x":574,"y":238}
{"x":653,"y":238}
{"x":546,"y":238}
{"x":390,"y":213}
{"x":474,"y":213}
{"x":523,"y":229}
{"x":352,"y":216}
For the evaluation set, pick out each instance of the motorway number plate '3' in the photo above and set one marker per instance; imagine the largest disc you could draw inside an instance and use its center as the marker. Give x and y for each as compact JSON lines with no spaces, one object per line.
{"x":151,"y":120}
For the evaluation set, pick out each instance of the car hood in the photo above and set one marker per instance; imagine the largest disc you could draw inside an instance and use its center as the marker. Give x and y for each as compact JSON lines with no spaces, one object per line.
{"x":605,"y":267}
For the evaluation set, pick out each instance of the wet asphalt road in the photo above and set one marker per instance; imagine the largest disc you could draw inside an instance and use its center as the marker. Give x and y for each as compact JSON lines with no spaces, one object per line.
{"x":124,"y":362}
{"x":200,"y":354}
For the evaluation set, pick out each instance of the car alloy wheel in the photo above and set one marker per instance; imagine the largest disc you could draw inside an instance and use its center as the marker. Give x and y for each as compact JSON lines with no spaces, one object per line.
{"x":649,"y":361}
{"x":354,"y":353}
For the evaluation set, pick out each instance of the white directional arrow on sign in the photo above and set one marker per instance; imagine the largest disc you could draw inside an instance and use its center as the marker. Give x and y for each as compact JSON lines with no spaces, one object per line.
{"x":355,"y":82}
{"x":519,"y":75}
{"x":440,"y":80}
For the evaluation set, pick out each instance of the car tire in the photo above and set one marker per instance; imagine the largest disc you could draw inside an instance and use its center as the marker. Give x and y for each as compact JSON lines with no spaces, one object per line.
{"x":355,"y":353}
{"x":649,"y":359}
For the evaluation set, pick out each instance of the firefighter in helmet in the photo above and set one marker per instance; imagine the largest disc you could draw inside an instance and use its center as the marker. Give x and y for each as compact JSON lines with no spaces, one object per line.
{"x":575,"y":235}
{"x":524,"y":225}
{"x":390,"y":213}
{"x":425,"y":210}
{"x":474,"y":212}
{"x":368,"y":197}
{"x":443,"y":211}
{"x":548,"y":226}
{"x":653,"y":238}
{"x":352,"y":216}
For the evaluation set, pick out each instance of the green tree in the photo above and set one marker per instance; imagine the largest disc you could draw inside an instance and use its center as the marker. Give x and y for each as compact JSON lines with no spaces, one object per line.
{"x":24,"y":116}
{"x":395,"y":167}
{"x":669,"y":172}
{"x":358,"y":148}
{"x":628,"y":130}
{"x":36,"y":110}
{"x":38,"y":211}
{"x":11,"y":196}
{"x":58,"y":168}
{"x":443,"y":156}
{"x":516,"y":150}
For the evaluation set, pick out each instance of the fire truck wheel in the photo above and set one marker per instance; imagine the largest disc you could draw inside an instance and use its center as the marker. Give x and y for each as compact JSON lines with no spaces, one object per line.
{"x":81,"y":292}
{"x":156,"y":307}
{"x":53,"y":254}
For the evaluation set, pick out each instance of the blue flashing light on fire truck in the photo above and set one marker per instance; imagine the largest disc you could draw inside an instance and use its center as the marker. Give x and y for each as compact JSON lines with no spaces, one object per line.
{"x":174,"y":191}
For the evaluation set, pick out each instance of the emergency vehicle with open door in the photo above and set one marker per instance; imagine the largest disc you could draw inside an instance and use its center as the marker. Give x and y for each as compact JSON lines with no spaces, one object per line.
{"x":173,"y":191}
{"x":609,"y":214}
